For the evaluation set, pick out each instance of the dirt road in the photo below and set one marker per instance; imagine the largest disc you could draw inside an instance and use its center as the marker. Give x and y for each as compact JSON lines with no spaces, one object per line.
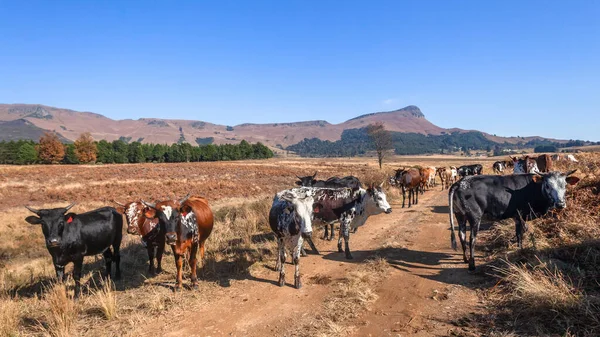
{"x":426,"y":290}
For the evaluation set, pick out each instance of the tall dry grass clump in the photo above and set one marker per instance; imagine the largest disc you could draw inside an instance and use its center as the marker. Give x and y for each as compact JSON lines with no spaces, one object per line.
{"x":9,"y":316}
{"x":104,"y":299}
{"x":551,"y":286}
{"x":62,"y":312}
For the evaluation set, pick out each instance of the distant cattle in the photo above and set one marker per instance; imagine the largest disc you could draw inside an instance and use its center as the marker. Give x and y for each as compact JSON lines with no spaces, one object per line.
{"x":470,"y":170}
{"x":571,"y":157}
{"x":290,"y":219}
{"x":521,"y":197}
{"x":187,"y":224}
{"x":500,"y":166}
{"x":152,"y":235}
{"x":334,"y":182}
{"x":70,"y":237}
{"x":409,"y":179}
{"x":350,"y":207}
{"x":446,"y":177}
{"x":427,"y":177}
{"x":556,"y":157}
{"x":525,"y":165}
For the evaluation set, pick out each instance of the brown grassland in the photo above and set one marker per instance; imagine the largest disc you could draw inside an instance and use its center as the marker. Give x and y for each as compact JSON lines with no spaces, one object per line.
{"x":553,"y":282}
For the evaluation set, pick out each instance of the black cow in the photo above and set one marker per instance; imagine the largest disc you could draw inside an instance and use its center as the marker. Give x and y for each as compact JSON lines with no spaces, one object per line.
{"x":334,"y":182}
{"x":470,"y":170}
{"x":521,"y":196}
{"x":70,"y":237}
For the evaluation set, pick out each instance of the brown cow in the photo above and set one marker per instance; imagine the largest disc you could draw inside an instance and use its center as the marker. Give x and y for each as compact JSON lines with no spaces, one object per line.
{"x":544,"y":163}
{"x":153,"y":238}
{"x":188,"y":223}
{"x":409,"y":179}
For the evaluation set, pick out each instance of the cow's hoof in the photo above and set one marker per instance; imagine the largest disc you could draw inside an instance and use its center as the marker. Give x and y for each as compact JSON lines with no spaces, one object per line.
{"x":281,"y":280}
{"x":471,"y":266}
{"x":340,"y":250}
{"x":177,"y":288}
{"x":297,"y":283}
{"x":303,"y":253}
{"x":195,"y":286}
{"x":159,"y":270}
{"x":349,"y":256}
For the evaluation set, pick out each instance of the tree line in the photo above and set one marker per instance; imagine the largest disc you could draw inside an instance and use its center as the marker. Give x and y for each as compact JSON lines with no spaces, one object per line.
{"x":50,"y":150}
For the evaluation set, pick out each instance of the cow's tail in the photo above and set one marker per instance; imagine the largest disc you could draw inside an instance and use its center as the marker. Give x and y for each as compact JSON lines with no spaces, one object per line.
{"x":451,"y":207}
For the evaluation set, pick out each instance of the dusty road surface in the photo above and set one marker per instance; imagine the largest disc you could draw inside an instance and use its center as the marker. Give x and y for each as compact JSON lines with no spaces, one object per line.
{"x":425,"y":289}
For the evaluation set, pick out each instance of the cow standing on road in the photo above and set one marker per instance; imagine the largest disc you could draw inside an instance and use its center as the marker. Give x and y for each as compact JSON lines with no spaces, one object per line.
{"x":70,"y":237}
{"x":521,"y":197}
{"x":409,"y":179}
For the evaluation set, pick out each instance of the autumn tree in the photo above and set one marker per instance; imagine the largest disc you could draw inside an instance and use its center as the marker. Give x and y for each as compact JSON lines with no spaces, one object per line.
{"x":382,"y":140}
{"x":50,"y":149}
{"x":85,"y":148}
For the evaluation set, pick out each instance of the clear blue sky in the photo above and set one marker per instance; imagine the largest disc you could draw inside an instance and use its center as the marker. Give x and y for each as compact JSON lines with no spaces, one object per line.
{"x":505,"y":67}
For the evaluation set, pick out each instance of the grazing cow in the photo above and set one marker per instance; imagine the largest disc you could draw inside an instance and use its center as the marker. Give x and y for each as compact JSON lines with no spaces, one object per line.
{"x":351,"y":207}
{"x":521,"y":196}
{"x":409,"y":179}
{"x":187,"y":224}
{"x":153,"y":235}
{"x":70,"y":237}
{"x":290,"y":219}
{"x":571,"y":157}
{"x":470,"y":170}
{"x":333,"y":182}
{"x":525,"y":165}
{"x":544,"y":163}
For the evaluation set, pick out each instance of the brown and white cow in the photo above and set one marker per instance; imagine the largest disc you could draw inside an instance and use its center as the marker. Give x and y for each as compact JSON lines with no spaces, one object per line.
{"x":525,"y":165}
{"x":188,"y":223}
{"x":544,"y":163}
{"x":409,"y":179}
{"x":153,"y":238}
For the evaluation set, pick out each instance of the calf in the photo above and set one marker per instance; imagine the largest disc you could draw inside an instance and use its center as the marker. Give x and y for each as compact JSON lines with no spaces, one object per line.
{"x":351,"y":207}
{"x":70,"y":237}
{"x":410,"y":180}
{"x":525,"y":165}
{"x":152,"y":235}
{"x":187,"y":224}
{"x":521,"y":197}
{"x":290,"y":219}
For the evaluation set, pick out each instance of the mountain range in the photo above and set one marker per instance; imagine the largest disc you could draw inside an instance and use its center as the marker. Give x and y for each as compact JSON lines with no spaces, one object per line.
{"x":30,"y":121}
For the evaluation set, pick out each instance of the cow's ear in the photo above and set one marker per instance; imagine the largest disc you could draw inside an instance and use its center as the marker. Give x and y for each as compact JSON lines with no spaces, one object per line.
{"x":150,"y":213}
{"x":317,"y":207}
{"x":572,"y":180}
{"x":34,"y":220}
{"x":538,"y":179}
{"x":120,"y":209}
{"x":299,"y":183}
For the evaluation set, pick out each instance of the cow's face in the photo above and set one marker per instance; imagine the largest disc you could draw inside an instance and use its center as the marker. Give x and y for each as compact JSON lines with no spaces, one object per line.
{"x":554,"y":187}
{"x":133,"y":214}
{"x":378,"y":200}
{"x":307,"y":181}
{"x":53,"y":223}
{"x":169,"y":216}
{"x":303,"y":202}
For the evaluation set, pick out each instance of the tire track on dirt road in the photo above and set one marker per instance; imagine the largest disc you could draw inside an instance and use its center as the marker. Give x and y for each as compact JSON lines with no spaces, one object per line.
{"x":427,"y":284}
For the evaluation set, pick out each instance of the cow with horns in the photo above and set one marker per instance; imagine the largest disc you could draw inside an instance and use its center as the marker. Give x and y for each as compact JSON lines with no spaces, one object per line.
{"x":187,"y":224}
{"x":153,"y":235}
{"x":70,"y":237}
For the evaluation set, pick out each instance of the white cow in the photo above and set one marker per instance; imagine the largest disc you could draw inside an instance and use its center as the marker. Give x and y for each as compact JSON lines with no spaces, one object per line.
{"x":571,"y":157}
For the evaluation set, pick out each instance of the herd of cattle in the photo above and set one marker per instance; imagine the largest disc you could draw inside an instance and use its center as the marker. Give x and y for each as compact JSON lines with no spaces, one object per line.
{"x":185,"y":224}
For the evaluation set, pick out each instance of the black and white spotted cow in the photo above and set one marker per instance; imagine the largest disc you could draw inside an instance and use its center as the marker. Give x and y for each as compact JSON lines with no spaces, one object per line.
{"x":350,"y":207}
{"x":290,"y":219}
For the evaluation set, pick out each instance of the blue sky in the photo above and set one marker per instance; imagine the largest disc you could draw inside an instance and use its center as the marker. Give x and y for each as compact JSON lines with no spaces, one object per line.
{"x":504,"y":67}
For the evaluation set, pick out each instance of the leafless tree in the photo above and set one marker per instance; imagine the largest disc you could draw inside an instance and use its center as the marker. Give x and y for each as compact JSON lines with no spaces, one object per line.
{"x":382,"y":140}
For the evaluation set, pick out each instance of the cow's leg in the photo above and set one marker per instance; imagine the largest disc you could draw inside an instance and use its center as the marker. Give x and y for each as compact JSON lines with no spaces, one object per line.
{"x":404,"y":196}
{"x":108,"y":257}
{"x":117,"y":257}
{"x":462,"y":234}
{"x":303,"y":252}
{"x":77,"y":267}
{"x":410,"y":196}
{"x":179,"y":266}
{"x":332,"y":235}
{"x":312,"y":245}
{"x":326,"y":232}
{"x":346,"y":232}
{"x":474,"y":221}
{"x":340,"y":237}
{"x":193,"y":261}
{"x":60,"y":272}
{"x":296,"y":260}
{"x":521,"y":227}
{"x":159,"y":254}
{"x":281,"y":261}
{"x":417,"y":196}
{"x":150,"y":249}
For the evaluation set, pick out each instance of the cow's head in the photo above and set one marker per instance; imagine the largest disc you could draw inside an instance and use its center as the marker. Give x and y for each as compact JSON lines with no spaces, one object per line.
{"x":554,"y":186}
{"x":304,"y":205}
{"x":53,"y":223}
{"x":307,"y":181}
{"x":135,"y":215}
{"x":378,"y":201}
{"x":169,"y":216}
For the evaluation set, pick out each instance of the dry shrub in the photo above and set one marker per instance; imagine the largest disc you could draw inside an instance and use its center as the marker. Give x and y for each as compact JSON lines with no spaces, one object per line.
{"x":9,"y":317}
{"x":62,"y":312}
{"x":105,"y":301}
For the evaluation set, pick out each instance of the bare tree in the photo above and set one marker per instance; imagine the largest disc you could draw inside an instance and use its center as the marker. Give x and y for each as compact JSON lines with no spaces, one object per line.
{"x":382,"y":140}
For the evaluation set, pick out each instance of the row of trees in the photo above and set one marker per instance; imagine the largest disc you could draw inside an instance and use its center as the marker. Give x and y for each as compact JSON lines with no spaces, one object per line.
{"x":50,"y":150}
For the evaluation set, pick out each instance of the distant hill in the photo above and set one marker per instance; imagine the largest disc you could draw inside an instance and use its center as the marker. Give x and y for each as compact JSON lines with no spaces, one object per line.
{"x":29,"y":121}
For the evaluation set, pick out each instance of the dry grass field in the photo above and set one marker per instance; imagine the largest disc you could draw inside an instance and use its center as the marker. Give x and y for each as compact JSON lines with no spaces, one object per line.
{"x":241,"y":247}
